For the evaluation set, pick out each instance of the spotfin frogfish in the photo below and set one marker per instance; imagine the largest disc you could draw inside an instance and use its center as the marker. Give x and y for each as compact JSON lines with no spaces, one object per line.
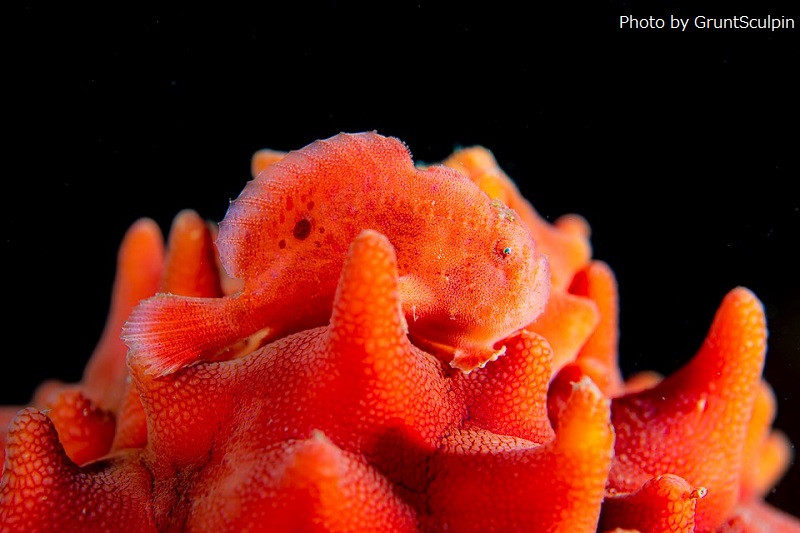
{"x":470,"y":274}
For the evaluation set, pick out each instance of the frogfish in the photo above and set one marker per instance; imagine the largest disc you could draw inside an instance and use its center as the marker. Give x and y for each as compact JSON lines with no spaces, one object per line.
{"x":366,"y":343}
{"x":287,"y":235}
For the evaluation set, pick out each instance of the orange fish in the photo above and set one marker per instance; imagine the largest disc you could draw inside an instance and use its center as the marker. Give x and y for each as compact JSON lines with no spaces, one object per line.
{"x":470,"y":275}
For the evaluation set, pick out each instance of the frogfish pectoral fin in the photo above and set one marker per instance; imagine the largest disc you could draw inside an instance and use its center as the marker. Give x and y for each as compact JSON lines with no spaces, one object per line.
{"x":168,"y":332}
{"x":461,"y":355}
{"x":467,"y":361}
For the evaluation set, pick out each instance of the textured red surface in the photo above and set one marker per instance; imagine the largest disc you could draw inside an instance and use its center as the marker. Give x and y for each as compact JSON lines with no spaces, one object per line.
{"x":350,"y":426}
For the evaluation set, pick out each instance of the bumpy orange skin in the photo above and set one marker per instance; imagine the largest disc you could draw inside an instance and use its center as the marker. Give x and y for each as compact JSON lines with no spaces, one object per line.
{"x":352,"y":427}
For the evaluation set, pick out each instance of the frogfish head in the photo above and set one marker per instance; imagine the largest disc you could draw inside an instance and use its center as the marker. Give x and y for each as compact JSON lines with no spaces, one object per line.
{"x":488,"y":289}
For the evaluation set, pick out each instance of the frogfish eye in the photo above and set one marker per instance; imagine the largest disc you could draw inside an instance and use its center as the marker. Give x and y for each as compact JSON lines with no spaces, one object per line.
{"x":503,"y":249}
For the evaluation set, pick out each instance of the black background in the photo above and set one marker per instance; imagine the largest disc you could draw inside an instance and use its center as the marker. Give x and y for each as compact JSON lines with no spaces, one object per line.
{"x":680,"y":149}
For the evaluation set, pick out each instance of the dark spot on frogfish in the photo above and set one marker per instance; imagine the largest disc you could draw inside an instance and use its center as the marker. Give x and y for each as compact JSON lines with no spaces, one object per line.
{"x":302,"y":229}
{"x":282,"y":244}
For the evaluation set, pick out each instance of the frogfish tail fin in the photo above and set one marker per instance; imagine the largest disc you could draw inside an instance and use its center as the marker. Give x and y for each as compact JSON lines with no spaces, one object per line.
{"x":168,"y":332}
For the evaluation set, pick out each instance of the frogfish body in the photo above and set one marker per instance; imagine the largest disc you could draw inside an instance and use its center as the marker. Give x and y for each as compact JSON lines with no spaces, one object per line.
{"x":287,"y":235}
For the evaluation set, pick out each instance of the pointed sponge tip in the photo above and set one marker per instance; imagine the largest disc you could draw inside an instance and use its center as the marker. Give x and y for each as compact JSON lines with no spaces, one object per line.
{"x":585,"y":423}
{"x":665,"y":503}
{"x":366,"y":308}
{"x":43,"y":490}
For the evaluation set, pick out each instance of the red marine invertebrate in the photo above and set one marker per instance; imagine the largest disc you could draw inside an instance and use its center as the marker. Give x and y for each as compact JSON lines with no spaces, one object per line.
{"x":401,"y":385}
